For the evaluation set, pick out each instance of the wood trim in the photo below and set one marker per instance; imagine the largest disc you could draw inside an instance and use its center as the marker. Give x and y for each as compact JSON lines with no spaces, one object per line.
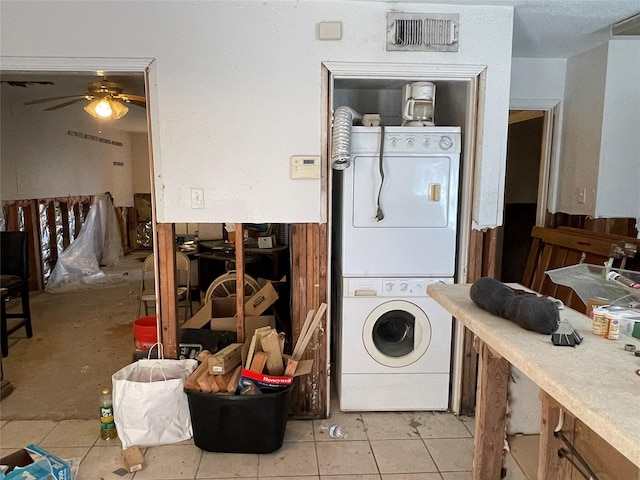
{"x":516,"y":116}
{"x":309,"y":280}
{"x":167,"y":301}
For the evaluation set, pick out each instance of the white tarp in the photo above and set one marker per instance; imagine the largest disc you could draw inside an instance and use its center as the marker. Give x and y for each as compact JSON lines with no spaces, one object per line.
{"x":98,"y":243}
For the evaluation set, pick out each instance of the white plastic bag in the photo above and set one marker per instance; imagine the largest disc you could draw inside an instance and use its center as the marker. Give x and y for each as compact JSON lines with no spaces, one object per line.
{"x":149,"y":404}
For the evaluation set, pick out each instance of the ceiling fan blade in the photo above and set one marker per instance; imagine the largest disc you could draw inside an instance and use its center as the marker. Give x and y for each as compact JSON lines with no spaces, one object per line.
{"x":132,"y":98}
{"x":71,"y":102}
{"x":142,"y":104}
{"x":50,"y":99}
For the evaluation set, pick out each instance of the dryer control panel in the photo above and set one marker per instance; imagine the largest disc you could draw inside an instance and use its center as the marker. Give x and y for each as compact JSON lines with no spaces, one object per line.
{"x":390,"y":287}
{"x":408,"y":140}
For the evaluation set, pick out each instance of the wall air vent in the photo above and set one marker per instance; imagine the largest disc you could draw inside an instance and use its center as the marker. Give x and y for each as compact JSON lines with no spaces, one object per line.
{"x":422,"y":32}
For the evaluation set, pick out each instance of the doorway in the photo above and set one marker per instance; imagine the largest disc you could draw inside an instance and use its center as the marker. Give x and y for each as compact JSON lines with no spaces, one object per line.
{"x":526,"y":189}
{"x":68,"y":352}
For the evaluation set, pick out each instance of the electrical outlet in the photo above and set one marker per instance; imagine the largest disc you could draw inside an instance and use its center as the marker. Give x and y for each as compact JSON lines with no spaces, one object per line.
{"x":197,"y":198}
{"x":582,"y":195}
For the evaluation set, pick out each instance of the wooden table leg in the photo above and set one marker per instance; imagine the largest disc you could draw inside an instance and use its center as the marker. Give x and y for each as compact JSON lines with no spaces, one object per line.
{"x":550,"y":466}
{"x":491,"y":414}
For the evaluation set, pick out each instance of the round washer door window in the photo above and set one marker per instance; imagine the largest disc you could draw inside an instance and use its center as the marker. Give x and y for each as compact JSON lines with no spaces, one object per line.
{"x":396,"y":333}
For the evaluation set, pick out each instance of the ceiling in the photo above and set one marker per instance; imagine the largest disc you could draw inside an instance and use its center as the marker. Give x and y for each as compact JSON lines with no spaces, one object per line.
{"x":542,"y":28}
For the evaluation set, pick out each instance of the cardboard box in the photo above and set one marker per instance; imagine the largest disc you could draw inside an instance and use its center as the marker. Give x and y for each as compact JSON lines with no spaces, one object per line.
{"x":132,"y":459}
{"x":35,"y":463}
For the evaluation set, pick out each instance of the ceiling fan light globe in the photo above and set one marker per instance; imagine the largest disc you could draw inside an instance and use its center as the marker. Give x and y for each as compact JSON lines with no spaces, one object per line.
{"x":118,"y":109}
{"x":103,"y":108}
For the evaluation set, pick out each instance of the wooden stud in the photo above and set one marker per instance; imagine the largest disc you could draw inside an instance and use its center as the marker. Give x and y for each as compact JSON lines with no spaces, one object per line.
{"x":549,"y":464}
{"x":491,"y":415}
{"x":167,"y":301}
{"x":239,"y":237}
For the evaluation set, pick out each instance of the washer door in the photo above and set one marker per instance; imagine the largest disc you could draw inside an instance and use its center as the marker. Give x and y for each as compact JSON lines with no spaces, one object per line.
{"x":396,"y":333}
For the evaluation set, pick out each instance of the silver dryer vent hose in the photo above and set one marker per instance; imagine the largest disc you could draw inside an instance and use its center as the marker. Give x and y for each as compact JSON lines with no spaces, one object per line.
{"x":343,"y":119}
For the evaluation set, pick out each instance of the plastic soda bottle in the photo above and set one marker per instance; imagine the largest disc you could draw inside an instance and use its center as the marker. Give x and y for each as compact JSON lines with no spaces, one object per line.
{"x":107,"y":425}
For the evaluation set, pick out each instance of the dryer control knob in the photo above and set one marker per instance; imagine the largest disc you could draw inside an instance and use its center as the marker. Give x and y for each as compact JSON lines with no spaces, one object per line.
{"x":393,"y":142}
{"x":446,"y":142}
{"x":404,"y":286}
{"x":426,"y":142}
{"x":389,"y":287}
{"x":410,"y":142}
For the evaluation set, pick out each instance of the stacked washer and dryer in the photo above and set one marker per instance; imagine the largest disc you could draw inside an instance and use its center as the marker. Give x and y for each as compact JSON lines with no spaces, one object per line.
{"x":396,"y":216}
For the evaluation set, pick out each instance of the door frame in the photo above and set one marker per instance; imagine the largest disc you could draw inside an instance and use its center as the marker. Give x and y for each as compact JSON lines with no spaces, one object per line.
{"x":549,"y":161}
{"x":165,"y":273}
{"x":475,"y":78}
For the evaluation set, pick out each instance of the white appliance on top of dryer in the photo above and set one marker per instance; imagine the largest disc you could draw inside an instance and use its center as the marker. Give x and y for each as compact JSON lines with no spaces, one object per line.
{"x":394,"y":346}
{"x":399,"y":209}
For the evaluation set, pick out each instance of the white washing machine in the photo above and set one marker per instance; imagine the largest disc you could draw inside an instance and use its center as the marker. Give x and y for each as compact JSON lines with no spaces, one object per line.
{"x":394,"y":346}
{"x":399,"y":210}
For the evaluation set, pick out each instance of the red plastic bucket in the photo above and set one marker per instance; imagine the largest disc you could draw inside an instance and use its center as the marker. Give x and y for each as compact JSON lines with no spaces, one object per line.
{"x":145,"y":332}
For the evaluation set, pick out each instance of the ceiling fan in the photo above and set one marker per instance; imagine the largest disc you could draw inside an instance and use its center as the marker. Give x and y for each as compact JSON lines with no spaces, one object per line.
{"x":106,"y":100}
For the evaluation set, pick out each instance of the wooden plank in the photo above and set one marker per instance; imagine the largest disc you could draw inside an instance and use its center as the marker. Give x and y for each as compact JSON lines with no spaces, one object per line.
{"x":166,"y":280}
{"x":259,"y":361}
{"x":270,"y":344}
{"x":32,"y":227}
{"x":491,"y":415}
{"x":549,"y":464}
{"x":239,"y":238}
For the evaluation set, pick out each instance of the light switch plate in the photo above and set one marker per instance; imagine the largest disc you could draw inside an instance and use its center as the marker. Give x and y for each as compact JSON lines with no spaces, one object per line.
{"x":305,"y":166}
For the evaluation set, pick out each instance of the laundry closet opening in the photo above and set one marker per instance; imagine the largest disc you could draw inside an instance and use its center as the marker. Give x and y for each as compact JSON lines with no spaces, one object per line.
{"x":395,"y":226}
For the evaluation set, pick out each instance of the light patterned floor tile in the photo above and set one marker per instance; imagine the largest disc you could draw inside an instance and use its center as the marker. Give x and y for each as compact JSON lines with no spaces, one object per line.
{"x":451,"y":455}
{"x":304,"y":477}
{"x":441,"y":425}
{"x":100,"y":463}
{"x":350,"y":477}
{"x":299,"y":431}
{"x":293,"y":458}
{"x":170,"y":462}
{"x":73,"y":433}
{"x":345,"y":458}
{"x":470,"y":423}
{"x":456,"y":476}
{"x":391,"y":425}
{"x":227,"y":465}
{"x":2,"y":422}
{"x":402,"y":456}
{"x":412,"y":476}
{"x":20,"y":433}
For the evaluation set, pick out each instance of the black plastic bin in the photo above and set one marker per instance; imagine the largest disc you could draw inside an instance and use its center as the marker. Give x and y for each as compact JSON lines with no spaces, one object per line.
{"x":239,"y":423}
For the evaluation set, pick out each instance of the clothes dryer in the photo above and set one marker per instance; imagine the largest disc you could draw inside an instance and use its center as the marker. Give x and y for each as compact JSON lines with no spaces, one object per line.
{"x":399,"y":202}
{"x":393,"y":346}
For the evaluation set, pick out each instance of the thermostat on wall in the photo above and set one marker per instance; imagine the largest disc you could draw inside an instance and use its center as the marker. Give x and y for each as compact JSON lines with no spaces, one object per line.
{"x":305,"y":166}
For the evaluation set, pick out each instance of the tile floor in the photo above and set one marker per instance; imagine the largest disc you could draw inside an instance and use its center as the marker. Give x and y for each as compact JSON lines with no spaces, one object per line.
{"x":380,"y":446}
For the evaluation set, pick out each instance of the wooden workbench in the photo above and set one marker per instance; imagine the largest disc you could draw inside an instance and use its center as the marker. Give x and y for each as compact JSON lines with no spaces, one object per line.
{"x":595,"y":382}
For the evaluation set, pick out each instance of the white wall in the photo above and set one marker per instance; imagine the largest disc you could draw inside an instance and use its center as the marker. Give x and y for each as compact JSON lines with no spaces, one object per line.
{"x":582,"y":127}
{"x":50,"y":163}
{"x":238,"y":88}
{"x":619,"y":170}
{"x":140,"y":170}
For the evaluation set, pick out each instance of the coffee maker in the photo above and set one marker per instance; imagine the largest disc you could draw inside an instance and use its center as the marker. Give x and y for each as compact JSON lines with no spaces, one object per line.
{"x":418,"y":104}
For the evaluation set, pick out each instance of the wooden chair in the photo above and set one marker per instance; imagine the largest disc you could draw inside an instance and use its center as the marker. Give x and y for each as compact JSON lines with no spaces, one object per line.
{"x":14,"y":281}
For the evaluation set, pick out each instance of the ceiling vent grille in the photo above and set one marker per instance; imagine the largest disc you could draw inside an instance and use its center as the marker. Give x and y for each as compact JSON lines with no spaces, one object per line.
{"x":422,"y":33}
